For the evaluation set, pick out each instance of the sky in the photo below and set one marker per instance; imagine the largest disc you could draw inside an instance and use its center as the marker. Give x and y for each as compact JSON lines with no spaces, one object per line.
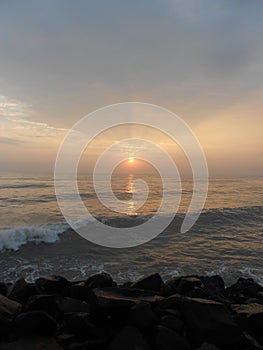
{"x":61,"y":60}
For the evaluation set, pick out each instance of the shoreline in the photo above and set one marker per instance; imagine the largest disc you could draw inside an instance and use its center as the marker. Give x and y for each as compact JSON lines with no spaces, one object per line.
{"x":186,"y":312}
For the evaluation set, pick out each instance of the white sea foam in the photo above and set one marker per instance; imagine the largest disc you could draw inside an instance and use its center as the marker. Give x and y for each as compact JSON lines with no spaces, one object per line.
{"x":14,"y":238}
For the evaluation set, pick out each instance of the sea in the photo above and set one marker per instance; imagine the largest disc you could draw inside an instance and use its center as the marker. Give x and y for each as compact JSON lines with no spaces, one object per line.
{"x":36,"y":240}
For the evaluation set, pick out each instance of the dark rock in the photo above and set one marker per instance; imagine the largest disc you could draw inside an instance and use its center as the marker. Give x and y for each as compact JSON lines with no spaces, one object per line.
{"x":94,"y":344}
{"x":5,"y":325}
{"x":152,"y":282}
{"x":142,"y":316}
{"x":129,"y":338}
{"x":20,"y":291}
{"x":209,"y":321}
{"x":128,"y":294}
{"x":65,"y":339}
{"x":81,"y":292}
{"x":207,"y":346}
{"x":197,"y":293}
{"x":52,"y":284}
{"x":35,"y":322}
{"x":213,"y":285}
{"x":244,"y":289}
{"x":69,"y":305}
{"x":250,"y":318}
{"x":80,"y":325}
{"x":32,"y":343}
{"x":8,"y":307}
{"x":4,"y":288}
{"x":166,"y":339}
{"x":44,"y":302}
{"x":183,"y":285}
{"x":172,"y":322}
{"x":100,"y":280}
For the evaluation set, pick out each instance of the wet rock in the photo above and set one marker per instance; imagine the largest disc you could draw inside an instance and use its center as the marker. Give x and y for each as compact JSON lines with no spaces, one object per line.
{"x":20,"y":291}
{"x":35,"y":322}
{"x":44,"y":302}
{"x":152,"y":282}
{"x":4,"y":288}
{"x":100,"y":280}
{"x":142,"y":316}
{"x":166,"y":339}
{"x":129,"y":338}
{"x":79,"y":291}
{"x":243,"y":289}
{"x":128,"y":294}
{"x":250,"y":319}
{"x":213,"y":285}
{"x":8,"y":307}
{"x":207,"y":346}
{"x":69,"y":305}
{"x":80,"y":325}
{"x":52,"y":284}
{"x":172,"y":322}
{"x":32,"y":343}
{"x":183,"y":285}
{"x":209,"y":321}
{"x":88,"y":345}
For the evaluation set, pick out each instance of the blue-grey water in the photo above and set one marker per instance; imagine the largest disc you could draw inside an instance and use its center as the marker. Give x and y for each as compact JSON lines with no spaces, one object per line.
{"x":36,"y":240}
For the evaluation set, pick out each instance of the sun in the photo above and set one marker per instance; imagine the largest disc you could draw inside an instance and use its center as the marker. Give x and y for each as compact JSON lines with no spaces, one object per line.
{"x":131,"y":159}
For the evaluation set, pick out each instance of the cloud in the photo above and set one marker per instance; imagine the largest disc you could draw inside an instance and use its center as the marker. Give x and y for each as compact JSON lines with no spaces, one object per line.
{"x":9,"y":141}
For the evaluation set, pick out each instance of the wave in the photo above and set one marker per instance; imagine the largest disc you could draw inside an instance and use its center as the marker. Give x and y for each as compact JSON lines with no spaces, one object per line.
{"x":14,"y":238}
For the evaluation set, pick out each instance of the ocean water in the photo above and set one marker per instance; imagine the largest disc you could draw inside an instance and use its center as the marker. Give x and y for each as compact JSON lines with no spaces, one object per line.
{"x":36,"y":240}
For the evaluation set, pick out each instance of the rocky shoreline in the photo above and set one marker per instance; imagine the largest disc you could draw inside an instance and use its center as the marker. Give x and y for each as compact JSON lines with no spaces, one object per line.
{"x":182,"y":313}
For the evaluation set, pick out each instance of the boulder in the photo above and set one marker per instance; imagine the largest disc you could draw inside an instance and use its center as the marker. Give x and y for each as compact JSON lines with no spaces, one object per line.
{"x":32,"y":343}
{"x":183,"y":285}
{"x":100,"y":280}
{"x":172,"y":322}
{"x":213,"y":285}
{"x":250,"y":319}
{"x":79,"y":291}
{"x":35,"y":322}
{"x":152,"y":282}
{"x":69,"y":305}
{"x":166,"y":339}
{"x":42,"y":302}
{"x":142,"y":316}
{"x":4,"y":288}
{"x":8,"y":307}
{"x":79,"y":325}
{"x":52,"y":284}
{"x":20,"y":291}
{"x":94,"y":344}
{"x":243,"y":289}
{"x":207,"y":346}
{"x":209,"y":321}
{"x":127,"y":294}
{"x":129,"y":338}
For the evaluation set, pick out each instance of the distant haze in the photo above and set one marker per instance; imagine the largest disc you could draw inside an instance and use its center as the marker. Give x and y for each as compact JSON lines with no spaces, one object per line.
{"x":61,"y":60}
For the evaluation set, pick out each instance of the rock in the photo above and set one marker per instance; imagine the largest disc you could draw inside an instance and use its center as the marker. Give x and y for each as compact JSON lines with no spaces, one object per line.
{"x":129,"y":338}
{"x":95,"y":344}
{"x":207,"y":346}
{"x":197,"y":293}
{"x":172,"y":322}
{"x":80,"y":325}
{"x":42,"y":302}
{"x":5,"y":326}
{"x":244,"y":289}
{"x":69,"y":305}
{"x":32,"y":343}
{"x":8,"y":307}
{"x":166,"y":339}
{"x":20,"y":291}
{"x":183,"y":285}
{"x":4,"y":288}
{"x":213,"y":285}
{"x":52,"y":284}
{"x":100,"y":280}
{"x":79,"y":291}
{"x":126,"y":294}
{"x":35,"y":322}
{"x":142,"y":316}
{"x":152,"y":282}
{"x":209,"y":321}
{"x":250,"y":318}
